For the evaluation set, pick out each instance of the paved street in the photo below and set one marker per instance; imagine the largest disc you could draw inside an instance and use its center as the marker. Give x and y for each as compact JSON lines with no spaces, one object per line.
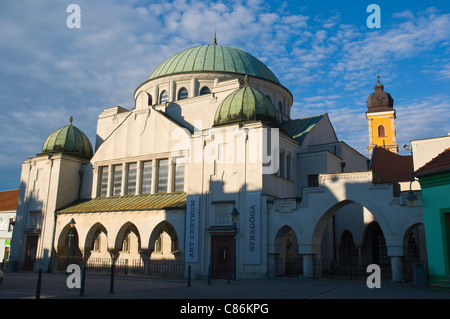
{"x":22,"y":285}
{"x":273,"y":298}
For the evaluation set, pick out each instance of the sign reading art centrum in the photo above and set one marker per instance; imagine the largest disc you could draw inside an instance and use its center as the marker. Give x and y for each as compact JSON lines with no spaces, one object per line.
{"x":192,"y":222}
{"x":252,"y":229}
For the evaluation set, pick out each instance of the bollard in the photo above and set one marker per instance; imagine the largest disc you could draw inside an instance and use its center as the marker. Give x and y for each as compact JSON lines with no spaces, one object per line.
{"x":111,"y":285}
{"x":209,"y":275}
{"x":83,"y":277}
{"x":38,"y":288}
{"x":189,"y":275}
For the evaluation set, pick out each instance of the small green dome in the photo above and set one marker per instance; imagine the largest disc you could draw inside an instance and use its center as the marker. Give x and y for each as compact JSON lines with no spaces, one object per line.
{"x":214,"y":58}
{"x":246,"y":104}
{"x":70,"y":140}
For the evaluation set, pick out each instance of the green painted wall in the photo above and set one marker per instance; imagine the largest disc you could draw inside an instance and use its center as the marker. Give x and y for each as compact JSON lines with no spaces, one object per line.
{"x":436,"y":211}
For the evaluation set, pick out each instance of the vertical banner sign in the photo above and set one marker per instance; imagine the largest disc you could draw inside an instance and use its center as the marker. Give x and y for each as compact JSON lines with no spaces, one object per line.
{"x":252,"y":230}
{"x":192,"y":221}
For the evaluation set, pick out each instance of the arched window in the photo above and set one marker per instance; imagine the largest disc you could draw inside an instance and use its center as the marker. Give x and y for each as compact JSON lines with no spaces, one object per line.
{"x":182,"y":94}
{"x":381,"y":131}
{"x":280,"y":107}
{"x":205,"y":90}
{"x":164,"y":97}
{"x":150,"y":100}
{"x":270,"y":99}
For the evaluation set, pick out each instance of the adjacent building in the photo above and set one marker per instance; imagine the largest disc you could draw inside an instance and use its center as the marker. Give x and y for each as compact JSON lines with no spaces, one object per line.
{"x":8,"y":207}
{"x":434,"y":178}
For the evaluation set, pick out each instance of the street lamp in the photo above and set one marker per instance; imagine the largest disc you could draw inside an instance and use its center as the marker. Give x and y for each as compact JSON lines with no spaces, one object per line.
{"x":234,"y":215}
{"x":71,"y":224}
{"x":410,"y":196}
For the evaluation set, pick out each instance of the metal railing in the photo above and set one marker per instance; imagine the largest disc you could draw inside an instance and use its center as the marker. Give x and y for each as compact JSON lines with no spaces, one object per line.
{"x":288,"y":267}
{"x":165,"y":268}
{"x":293,"y":267}
{"x":325,"y":270}
{"x":123,"y":266}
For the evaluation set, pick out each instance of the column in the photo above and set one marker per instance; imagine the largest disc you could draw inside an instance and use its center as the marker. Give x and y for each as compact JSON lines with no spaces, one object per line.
{"x":359,"y":255}
{"x":172,"y":93}
{"x":397,"y":268}
{"x":138,"y":177}
{"x":275,"y":100}
{"x":193,"y":91}
{"x":154,"y":176}
{"x":110,"y":181}
{"x":145,"y":256}
{"x":170,"y":176}
{"x":124,"y":182}
{"x":308,"y":266}
{"x":95,"y":182}
{"x":156,"y":95}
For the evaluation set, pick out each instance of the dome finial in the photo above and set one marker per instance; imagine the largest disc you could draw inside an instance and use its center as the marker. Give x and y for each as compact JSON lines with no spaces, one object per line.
{"x":246,"y":80}
{"x":378,"y":86}
{"x":70,"y":120}
{"x":215,"y":40}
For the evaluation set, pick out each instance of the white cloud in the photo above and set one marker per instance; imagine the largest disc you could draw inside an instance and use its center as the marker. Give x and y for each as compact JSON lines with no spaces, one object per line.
{"x":423,"y":118}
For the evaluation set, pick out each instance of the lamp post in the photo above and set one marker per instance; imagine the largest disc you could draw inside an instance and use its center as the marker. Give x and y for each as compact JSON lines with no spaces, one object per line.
{"x":71,"y":224}
{"x":234,"y":215}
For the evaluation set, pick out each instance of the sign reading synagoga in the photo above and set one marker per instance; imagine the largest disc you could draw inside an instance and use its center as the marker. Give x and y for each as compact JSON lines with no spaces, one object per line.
{"x":252,"y":253}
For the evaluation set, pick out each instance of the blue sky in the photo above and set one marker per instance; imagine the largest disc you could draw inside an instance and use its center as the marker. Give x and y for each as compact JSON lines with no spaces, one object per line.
{"x":322,"y":51}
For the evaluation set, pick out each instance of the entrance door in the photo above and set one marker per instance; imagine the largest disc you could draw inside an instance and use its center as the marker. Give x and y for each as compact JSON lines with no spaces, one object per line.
{"x":30,"y":257}
{"x":222,"y":256}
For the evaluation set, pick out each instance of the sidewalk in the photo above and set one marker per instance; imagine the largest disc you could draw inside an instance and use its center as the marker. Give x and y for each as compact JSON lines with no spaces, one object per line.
{"x":22,"y":285}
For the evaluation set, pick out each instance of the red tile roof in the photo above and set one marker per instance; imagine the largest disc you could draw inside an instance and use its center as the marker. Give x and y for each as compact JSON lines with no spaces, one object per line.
{"x":391,"y":167}
{"x":440,"y":163}
{"x":8,"y":200}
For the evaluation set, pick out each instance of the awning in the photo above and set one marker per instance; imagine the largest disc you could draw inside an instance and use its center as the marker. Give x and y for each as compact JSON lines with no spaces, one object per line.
{"x":127,"y":203}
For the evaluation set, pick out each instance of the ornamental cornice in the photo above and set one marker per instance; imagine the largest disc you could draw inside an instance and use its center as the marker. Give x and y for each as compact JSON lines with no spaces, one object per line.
{"x":344,"y":176}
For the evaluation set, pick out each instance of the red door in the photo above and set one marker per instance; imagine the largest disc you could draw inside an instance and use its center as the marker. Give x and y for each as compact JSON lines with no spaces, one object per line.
{"x":222,"y":255}
{"x":30,"y":257}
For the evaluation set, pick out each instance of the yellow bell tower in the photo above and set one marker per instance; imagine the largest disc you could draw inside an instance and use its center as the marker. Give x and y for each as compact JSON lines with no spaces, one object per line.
{"x":381,"y":120}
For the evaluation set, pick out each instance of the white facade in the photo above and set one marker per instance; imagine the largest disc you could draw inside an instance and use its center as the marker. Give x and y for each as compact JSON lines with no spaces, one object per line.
{"x":424,"y":150}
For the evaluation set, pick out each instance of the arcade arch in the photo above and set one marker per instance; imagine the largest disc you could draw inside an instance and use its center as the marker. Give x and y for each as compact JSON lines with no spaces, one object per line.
{"x":164,"y":243}
{"x":288,"y":261}
{"x":68,"y":246}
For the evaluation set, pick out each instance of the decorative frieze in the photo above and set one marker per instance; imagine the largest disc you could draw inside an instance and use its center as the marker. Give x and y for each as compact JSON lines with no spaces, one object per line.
{"x":222,"y":214}
{"x":285,"y":205}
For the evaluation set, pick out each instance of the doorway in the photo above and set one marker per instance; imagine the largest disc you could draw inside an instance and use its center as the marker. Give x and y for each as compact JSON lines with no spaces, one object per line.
{"x":222,"y":256}
{"x":30,"y":257}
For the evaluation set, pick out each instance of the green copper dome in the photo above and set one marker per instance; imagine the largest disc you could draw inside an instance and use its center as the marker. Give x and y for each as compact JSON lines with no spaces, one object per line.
{"x":246,"y":104}
{"x":70,"y":140}
{"x":214,"y":58}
